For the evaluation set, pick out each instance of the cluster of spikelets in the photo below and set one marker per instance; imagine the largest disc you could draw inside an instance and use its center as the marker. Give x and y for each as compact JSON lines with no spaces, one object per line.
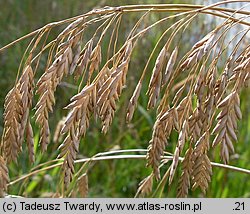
{"x":192,"y":111}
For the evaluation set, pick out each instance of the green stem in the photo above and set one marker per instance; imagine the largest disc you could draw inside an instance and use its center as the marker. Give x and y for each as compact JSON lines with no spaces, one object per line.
{"x":118,"y":157}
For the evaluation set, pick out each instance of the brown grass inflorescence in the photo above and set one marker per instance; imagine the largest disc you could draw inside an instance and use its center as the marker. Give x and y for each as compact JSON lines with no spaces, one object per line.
{"x":194,"y":98}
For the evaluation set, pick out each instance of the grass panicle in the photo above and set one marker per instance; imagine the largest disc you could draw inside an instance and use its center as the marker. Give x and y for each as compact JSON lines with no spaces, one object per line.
{"x":193,"y":96}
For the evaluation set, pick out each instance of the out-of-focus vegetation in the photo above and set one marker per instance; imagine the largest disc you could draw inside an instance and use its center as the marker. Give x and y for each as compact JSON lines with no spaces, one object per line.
{"x":112,"y":178}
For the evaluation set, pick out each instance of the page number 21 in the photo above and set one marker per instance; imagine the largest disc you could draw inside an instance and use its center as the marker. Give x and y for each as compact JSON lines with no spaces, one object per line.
{"x":239,"y":206}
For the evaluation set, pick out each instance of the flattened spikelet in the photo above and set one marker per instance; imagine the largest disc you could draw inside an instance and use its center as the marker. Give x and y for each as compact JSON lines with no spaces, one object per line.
{"x":26,"y":87}
{"x":145,"y":186}
{"x":133,"y":102}
{"x":75,"y":126}
{"x":70,"y":27}
{"x":199,"y":50}
{"x":4,"y":177}
{"x":95,"y":60}
{"x":12,"y":123}
{"x":170,"y":66}
{"x":226,"y":127}
{"x":157,"y":146}
{"x":83,"y":60}
{"x":109,"y":92}
{"x":83,"y":187}
{"x":202,"y":168}
{"x":30,"y":142}
{"x":57,"y":135}
{"x":181,"y":142}
{"x":185,"y":179}
{"x":64,"y":64}
{"x":156,"y":78}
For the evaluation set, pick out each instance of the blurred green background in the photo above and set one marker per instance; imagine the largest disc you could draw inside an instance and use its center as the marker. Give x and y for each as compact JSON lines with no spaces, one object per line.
{"x":114,"y":178}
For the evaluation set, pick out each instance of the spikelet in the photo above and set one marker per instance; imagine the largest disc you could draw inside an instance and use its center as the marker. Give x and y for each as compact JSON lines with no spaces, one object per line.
{"x":156,"y":147}
{"x":210,"y":104}
{"x":95,"y":60}
{"x":12,"y":123}
{"x":199,"y":50}
{"x":83,"y":187}
{"x":70,"y":28}
{"x":226,"y":127}
{"x":4,"y":177}
{"x":242,"y":71}
{"x":110,"y":91}
{"x":196,"y":124}
{"x":108,"y":96}
{"x":26,"y":87}
{"x":30,"y":142}
{"x":57,"y":135}
{"x":75,"y":126}
{"x":156,"y":79}
{"x":202,"y":169}
{"x":181,"y":142}
{"x":133,"y":102}
{"x":47,"y":84}
{"x":161,"y":131}
{"x":166,"y":122}
{"x":145,"y":186}
{"x":199,"y":89}
{"x":220,"y":86}
{"x":83,"y":60}
{"x":170,"y":66}
{"x":185,"y":179}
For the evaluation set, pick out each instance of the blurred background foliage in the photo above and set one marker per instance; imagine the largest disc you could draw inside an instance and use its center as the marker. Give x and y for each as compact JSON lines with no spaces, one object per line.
{"x":113,"y":178}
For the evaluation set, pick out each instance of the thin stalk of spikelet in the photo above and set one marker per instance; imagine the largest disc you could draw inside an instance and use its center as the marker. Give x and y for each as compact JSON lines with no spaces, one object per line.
{"x":96,"y":54}
{"x":70,"y":28}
